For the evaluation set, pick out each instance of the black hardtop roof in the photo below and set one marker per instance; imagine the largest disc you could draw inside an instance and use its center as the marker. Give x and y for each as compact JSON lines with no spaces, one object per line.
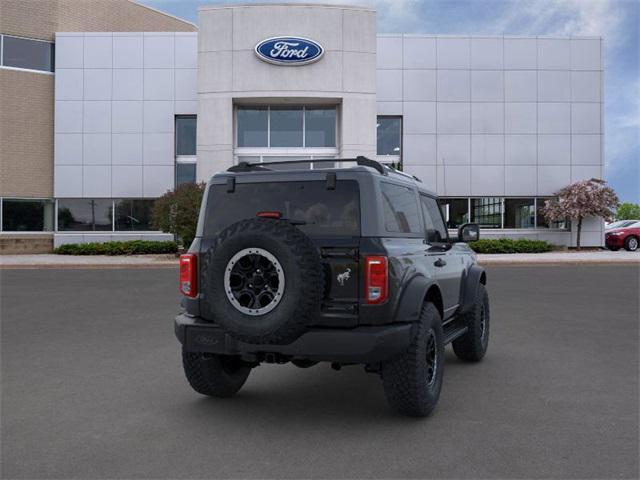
{"x":364,"y":166}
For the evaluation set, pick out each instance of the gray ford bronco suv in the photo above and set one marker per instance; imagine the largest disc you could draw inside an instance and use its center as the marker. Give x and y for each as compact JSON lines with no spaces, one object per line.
{"x":349,"y":265}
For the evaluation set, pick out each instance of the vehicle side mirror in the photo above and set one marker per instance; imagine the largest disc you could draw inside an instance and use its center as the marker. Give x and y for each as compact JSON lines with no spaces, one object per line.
{"x":468,"y":232}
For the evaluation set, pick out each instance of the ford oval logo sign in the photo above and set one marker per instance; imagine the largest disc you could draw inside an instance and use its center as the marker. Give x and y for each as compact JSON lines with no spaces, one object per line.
{"x":289,"y":51}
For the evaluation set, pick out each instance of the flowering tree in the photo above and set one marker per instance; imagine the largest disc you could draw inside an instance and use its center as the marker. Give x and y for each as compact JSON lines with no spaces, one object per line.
{"x":586,"y":198}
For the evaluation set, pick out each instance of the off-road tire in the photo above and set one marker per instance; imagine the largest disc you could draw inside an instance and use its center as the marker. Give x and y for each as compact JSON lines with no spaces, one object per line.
{"x":304,"y":281}
{"x":214,"y":375}
{"x":472,"y":346}
{"x":630,"y":245}
{"x":404,"y":377}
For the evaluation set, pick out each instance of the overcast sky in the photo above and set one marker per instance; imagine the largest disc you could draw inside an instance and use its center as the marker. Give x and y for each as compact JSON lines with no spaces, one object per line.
{"x":617,"y":21}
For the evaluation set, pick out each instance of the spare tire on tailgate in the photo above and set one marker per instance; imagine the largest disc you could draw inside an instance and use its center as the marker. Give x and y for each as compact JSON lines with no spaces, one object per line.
{"x":262,"y":281}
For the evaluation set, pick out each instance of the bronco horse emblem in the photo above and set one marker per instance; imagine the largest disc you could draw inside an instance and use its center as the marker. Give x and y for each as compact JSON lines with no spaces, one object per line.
{"x":344,"y":276}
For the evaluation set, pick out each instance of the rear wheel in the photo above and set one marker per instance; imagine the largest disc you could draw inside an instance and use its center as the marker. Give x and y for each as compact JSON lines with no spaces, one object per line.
{"x":214,"y":375}
{"x":412,"y":381}
{"x":631,"y":244}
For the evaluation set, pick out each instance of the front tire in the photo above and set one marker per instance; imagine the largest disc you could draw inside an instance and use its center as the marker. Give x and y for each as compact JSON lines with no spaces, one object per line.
{"x":214,"y":375}
{"x":472,"y":346}
{"x":631,"y":244}
{"x":412,"y":381}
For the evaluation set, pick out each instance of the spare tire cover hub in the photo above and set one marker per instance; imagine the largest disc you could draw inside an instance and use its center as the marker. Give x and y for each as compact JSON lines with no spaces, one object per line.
{"x":254,"y":281}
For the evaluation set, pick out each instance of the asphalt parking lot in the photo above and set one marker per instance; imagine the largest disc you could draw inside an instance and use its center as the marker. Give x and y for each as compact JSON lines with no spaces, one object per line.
{"x":92,"y":387}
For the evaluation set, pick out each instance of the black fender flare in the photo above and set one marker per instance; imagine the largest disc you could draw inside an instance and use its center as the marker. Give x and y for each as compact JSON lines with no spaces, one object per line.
{"x":410,"y":302}
{"x":474,"y":277}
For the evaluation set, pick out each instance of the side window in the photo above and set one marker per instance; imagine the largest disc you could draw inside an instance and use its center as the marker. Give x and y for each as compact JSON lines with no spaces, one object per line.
{"x":401,"y":212}
{"x":434,"y":225}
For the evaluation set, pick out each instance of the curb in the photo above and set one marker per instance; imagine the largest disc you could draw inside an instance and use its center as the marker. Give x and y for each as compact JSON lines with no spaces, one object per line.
{"x":76,"y":266}
{"x":557,"y":263}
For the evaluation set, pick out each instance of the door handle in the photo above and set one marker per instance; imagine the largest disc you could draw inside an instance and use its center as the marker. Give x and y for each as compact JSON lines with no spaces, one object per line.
{"x":440,"y":263}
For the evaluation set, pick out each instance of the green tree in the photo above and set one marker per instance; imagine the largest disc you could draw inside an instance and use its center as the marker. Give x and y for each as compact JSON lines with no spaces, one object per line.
{"x":628,"y":211}
{"x":177,"y":211}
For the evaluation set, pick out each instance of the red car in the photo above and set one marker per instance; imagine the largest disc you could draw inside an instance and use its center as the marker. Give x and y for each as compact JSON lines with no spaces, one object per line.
{"x":627,"y":237}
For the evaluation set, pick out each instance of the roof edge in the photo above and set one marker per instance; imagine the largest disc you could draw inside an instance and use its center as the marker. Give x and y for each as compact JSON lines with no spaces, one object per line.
{"x":287,"y":4}
{"x":137,"y":2}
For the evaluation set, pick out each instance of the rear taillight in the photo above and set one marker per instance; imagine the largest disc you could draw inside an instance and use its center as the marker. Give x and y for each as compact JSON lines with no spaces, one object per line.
{"x":276,"y":215}
{"x":376,"y":279}
{"x":188,"y":275}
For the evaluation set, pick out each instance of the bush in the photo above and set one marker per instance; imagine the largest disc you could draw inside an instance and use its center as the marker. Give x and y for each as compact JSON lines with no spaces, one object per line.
{"x":132,"y":247}
{"x":508,"y":245}
{"x":177,"y":211}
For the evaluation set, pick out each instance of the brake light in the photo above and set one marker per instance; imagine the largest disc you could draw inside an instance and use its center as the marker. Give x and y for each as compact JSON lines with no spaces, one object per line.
{"x":276,"y":215}
{"x":188,"y":275}
{"x":376,"y":279}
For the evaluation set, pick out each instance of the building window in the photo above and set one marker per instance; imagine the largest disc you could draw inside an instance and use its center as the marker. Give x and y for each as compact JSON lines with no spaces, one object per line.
{"x":253,"y":126}
{"x":85,"y":215}
{"x":27,"y":215}
{"x":542,"y":222}
{"x":133,"y":215}
{"x":487,"y":212}
{"x":185,"y":173}
{"x":519,"y":213}
{"x":400,"y":209}
{"x":186,"y":135}
{"x":320,"y":126}
{"x":389,"y":133}
{"x":27,"y":53}
{"x":286,"y":127}
{"x":455,"y":211}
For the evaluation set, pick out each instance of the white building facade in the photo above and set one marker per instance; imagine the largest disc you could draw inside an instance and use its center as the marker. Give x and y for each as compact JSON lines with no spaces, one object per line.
{"x":494,"y":125}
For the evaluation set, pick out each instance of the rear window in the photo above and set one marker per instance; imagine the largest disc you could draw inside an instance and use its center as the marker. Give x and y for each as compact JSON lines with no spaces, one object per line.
{"x":322,"y":212}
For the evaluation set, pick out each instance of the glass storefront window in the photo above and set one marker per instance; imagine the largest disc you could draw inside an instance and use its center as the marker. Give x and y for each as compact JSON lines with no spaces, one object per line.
{"x":84,"y":214}
{"x":389,"y":133}
{"x":455,"y":211}
{"x":487,"y":212}
{"x":186,"y":135}
{"x":133,"y":215}
{"x":542,"y":222}
{"x":253,"y":125}
{"x":320,"y":127}
{"x":27,"y":215}
{"x":285,"y":124}
{"x":185,"y":173}
{"x":519,"y":213}
{"x":26,"y":53}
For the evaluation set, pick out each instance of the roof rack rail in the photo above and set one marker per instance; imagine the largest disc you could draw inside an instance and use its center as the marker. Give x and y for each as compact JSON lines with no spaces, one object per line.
{"x":257,"y":167}
{"x":404,"y":174}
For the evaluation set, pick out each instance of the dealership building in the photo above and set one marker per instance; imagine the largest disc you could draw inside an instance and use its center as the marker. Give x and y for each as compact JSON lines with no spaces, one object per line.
{"x":107,"y":105}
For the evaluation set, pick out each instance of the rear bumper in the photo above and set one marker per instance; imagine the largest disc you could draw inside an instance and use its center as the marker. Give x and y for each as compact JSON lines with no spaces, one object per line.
{"x":356,"y":345}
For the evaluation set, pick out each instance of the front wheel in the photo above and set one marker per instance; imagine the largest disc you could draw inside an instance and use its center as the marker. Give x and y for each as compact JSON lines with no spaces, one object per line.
{"x":412,"y":381}
{"x":472,"y":346}
{"x":631,"y":244}
{"x":214,"y":375}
